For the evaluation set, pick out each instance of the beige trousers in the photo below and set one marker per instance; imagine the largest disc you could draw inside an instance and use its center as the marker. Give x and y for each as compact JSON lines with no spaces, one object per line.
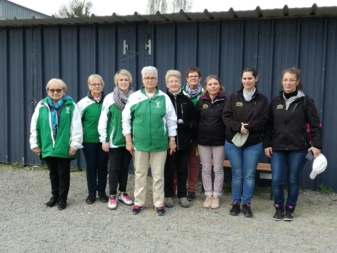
{"x":142,"y":161}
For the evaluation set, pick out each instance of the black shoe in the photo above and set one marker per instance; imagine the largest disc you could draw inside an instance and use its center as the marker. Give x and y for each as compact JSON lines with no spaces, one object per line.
{"x":160,"y":210}
{"x":247,"y":212}
{"x":289,"y":213}
{"x":91,"y":198}
{"x":235,"y":210}
{"x":103,"y":197}
{"x":137,"y":209}
{"x":191,"y":196}
{"x":52,"y":201}
{"x":279,"y":213}
{"x":62,"y":204}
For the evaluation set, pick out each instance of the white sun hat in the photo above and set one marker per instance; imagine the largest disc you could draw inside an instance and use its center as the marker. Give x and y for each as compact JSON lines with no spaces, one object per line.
{"x":318,"y":166}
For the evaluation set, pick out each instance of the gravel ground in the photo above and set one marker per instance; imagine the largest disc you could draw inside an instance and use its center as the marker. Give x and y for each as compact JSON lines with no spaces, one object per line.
{"x":27,"y":225}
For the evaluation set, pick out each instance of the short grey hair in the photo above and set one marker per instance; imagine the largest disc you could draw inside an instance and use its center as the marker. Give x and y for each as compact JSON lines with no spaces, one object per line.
{"x":149,"y":69}
{"x":96,"y":76}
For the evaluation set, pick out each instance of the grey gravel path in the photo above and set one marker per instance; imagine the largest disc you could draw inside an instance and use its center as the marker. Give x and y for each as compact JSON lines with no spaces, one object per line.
{"x":27,"y":225}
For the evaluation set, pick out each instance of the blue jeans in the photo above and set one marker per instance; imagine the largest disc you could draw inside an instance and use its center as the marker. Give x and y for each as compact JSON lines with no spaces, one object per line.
{"x":243,"y":161}
{"x":97,"y":166}
{"x":291,"y":162}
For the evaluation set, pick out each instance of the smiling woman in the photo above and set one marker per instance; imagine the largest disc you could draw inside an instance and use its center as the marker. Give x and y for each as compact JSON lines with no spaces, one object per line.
{"x":56,"y":135}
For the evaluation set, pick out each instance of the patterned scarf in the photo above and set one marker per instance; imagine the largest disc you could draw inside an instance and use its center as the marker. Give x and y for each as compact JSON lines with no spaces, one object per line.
{"x":193,"y":92}
{"x":53,"y":111}
{"x":120,"y":98}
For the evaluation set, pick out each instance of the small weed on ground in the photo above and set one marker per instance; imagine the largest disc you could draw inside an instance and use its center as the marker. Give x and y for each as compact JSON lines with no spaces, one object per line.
{"x":325,"y":189}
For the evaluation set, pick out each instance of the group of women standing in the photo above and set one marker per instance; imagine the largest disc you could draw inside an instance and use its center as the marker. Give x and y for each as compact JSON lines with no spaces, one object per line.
{"x":161,"y":130}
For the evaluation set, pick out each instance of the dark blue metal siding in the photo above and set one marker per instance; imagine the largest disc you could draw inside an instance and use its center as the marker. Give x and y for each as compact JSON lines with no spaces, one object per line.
{"x":4,"y":97}
{"x":208,"y":48}
{"x":231,"y":55}
{"x":186,"y":48}
{"x":30,"y":57}
{"x":165,"y":51}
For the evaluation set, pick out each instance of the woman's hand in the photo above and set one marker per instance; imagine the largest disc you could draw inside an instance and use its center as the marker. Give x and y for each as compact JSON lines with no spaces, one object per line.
{"x":72,"y":151}
{"x":268,"y":151}
{"x":105,"y":146}
{"x":37,"y":151}
{"x":244,"y":129}
{"x":172,"y":146}
{"x":315,"y":151}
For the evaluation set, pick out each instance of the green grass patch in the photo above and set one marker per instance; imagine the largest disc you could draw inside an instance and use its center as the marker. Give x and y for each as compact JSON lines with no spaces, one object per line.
{"x":325,"y":189}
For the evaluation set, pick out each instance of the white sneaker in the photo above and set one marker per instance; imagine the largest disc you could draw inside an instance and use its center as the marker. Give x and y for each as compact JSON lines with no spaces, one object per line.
{"x":124,"y":197}
{"x":112,"y":204}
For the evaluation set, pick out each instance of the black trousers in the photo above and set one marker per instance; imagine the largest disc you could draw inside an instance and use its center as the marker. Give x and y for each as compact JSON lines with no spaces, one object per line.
{"x":118,"y":169}
{"x":177,"y":162}
{"x":59,"y":174}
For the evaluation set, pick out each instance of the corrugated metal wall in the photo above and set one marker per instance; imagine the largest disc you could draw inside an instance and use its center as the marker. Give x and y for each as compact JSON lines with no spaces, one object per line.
{"x":29,"y":57}
{"x":9,"y":10}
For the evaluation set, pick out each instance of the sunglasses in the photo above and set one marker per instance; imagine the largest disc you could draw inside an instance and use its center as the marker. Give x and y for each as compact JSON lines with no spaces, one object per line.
{"x":57,"y":90}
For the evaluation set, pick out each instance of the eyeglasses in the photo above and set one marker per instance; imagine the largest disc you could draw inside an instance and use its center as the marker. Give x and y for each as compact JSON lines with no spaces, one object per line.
{"x":193,"y":76}
{"x":150,"y":78}
{"x":57,"y":90}
{"x":95,"y":84}
{"x":289,"y":80}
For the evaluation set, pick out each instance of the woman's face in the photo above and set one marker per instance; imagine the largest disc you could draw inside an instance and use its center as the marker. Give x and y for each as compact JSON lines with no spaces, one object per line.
{"x":150,"y":82}
{"x":213,"y":87}
{"x":173,"y":84}
{"x":123,"y":83}
{"x":289,"y":82}
{"x":193,"y":79}
{"x":248,"y":81}
{"x":95,"y":87}
{"x":56,"y":92}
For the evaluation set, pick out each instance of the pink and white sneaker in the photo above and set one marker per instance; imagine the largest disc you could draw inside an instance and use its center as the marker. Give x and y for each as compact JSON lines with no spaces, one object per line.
{"x":112,"y":204}
{"x":124,"y":197}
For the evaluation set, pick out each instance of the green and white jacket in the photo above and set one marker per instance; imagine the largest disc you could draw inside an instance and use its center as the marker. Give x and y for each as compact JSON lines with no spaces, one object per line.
{"x":90,"y":111}
{"x":110,"y":123}
{"x":150,"y":120}
{"x":69,"y":132}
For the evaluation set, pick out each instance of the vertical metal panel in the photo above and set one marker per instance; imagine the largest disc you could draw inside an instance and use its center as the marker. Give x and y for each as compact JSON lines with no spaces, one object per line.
{"x":186,"y":47}
{"x":208,"y":48}
{"x":145,"y":34}
{"x":16,"y":95}
{"x":9,"y":10}
{"x":4,"y":97}
{"x":231,"y":55}
{"x":164,"y":51}
{"x":266,"y":58}
{"x":329,"y":103}
{"x":51,"y":55}
{"x":87,"y":57}
{"x":126,"y":51}
{"x":70,"y":60}
{"x":106,"y":59}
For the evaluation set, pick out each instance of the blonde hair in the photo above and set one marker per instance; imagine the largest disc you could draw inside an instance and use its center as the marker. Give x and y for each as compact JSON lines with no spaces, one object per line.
{"x":123,"y":72}
{"x":295,"y":71}
{"x":57,"y":81}
{"x":173,"y":72}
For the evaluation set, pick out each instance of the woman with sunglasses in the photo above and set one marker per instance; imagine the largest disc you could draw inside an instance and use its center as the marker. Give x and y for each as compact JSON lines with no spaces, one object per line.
{"x":56,"y":135}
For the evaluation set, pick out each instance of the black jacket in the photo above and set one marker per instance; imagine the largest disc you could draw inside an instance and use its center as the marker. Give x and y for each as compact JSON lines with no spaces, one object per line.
{"x":286,"y":129}
{"x":185,"y":110}
{"x":211,"y":129}
{"x":254,"y":112}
